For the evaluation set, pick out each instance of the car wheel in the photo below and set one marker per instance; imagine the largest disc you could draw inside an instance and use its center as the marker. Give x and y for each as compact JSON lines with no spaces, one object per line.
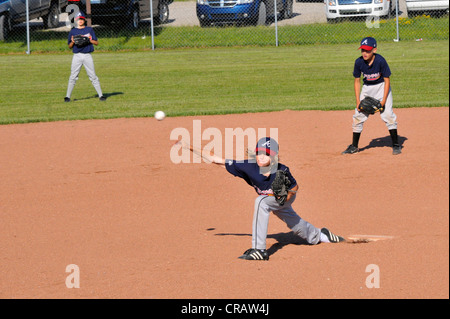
{"x":163,"y":13}
{"x":262,"y":14}
{"x":134,"y":18}
{"x":289,"y":9}
{"x":51,"y":20}
{"x":393,"y":8}
{"x":204,"y":23}
{"x":5,"y":27}
{"x":332,"y":20}
{"x":391,"y":11}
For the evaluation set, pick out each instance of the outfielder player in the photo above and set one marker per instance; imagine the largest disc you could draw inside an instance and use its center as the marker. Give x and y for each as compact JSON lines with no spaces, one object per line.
{"x":376,"y":83}
{"x":82,"y":56}
{"x":260,"y":173}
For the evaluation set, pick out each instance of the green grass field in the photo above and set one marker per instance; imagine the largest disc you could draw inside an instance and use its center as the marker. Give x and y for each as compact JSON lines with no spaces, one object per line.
{"x":216,"y":81}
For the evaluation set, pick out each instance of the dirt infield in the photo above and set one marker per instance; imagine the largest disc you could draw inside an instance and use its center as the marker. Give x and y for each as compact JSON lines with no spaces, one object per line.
{"x":104,"y":195}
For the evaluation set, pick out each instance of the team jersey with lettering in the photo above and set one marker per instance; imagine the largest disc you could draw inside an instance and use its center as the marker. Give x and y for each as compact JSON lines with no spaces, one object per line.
{"x":86,"y":31}
{"x":249,"y":171}
{"x":372,"y":74}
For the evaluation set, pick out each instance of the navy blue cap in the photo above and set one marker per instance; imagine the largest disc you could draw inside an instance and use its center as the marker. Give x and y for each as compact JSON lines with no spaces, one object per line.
{"x":368,"y":43}
{"x":267,"y":144}
{"x":80,"y":15}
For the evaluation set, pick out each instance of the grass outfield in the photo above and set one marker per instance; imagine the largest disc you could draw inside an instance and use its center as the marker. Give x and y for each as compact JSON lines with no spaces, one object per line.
{"x":216,"y":81}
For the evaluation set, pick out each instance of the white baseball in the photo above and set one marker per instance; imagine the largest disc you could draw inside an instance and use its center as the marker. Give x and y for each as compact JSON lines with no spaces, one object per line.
{"x":160,"y":115}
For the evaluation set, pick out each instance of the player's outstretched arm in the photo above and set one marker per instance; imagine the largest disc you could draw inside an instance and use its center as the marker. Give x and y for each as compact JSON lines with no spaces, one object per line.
{"x":207,"y":157}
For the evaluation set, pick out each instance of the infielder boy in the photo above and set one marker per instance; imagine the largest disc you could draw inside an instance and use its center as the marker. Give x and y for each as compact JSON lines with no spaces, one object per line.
{"x":376,"y":83}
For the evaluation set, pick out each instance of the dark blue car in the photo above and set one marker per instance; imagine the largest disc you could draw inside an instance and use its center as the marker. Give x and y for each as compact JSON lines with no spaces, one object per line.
{"x":248,"y":12}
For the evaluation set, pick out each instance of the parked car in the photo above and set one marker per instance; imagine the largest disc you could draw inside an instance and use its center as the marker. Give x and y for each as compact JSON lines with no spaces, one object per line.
{"x":130,"y":12}
{"x":338,"y":9}
{"x":255,"y":12}
{"x":415,"y":7}
{"x":14,"y":11}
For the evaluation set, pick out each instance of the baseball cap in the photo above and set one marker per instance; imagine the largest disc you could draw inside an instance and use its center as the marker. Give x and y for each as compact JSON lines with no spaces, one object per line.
{"x":267,"y":144}
{"x":80,"y":15}
{"x":368,"y":43}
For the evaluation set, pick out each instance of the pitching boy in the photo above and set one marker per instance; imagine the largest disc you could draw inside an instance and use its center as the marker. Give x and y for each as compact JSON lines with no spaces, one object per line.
{"x":259,"y":173}
{"x":376,"y":83}
{"x":82,"y":57}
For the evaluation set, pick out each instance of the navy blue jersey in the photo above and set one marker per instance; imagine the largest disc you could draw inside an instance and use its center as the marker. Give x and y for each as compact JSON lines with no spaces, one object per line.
{"x":250,"y":172}
{"x":86,"y":31}
{"x":372,"y":74}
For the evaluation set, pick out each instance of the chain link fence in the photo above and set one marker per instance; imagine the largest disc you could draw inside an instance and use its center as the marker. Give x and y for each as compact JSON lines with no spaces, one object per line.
{"x":43,"y":25}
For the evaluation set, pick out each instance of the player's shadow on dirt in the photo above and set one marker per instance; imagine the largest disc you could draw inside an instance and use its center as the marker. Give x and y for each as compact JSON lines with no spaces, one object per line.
{"x":283,"y":239}
{"x":383,"y":142}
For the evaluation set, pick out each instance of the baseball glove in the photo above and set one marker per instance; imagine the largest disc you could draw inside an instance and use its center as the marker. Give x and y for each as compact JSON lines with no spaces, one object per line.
{"x":370,"y":105}
{"x":81,"y":40}
{"x":280,"y":186}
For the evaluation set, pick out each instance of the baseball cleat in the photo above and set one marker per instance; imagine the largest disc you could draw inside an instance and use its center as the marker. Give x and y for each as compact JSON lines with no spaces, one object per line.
{"x":396,"y":149}
{"x":102,"y":98}
{"x":255,"y":254}
{"x":351,"y":149}
{"x":67,"y":99}
{"x":332,"y":237}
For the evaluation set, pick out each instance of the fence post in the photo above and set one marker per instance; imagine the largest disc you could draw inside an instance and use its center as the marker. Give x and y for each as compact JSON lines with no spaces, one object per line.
{"x":28,"y":26}
{"x":151,"y":25}
{"x":276,"y":21}
{"x":396,"y":18}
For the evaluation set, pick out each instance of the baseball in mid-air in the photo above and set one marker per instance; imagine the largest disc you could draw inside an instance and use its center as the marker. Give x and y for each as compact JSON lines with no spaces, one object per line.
{"x":160,"y":115}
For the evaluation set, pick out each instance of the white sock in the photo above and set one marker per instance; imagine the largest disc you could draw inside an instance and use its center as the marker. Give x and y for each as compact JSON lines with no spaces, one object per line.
{"x":324,"y":238}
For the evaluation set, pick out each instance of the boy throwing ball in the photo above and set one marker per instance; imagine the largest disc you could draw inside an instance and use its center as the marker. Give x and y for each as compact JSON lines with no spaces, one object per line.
{"x":259,"y":172}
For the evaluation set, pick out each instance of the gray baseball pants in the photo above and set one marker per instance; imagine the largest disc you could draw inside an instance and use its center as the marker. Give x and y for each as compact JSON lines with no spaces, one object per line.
{"x":79,"y":60}
{"x":265,"y":204}
{"x":388,"y":116}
